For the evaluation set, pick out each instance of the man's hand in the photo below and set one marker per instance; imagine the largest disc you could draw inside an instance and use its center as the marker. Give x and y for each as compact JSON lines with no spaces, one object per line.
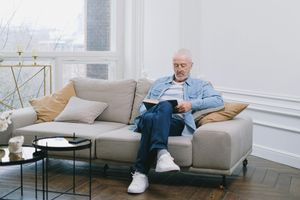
{"x":184,"y":106}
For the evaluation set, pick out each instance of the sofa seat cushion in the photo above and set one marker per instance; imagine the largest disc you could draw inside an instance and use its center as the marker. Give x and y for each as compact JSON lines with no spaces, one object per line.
{"x":122,"y":145}
{"x":118,"y":94}
{"x":90,"y":131}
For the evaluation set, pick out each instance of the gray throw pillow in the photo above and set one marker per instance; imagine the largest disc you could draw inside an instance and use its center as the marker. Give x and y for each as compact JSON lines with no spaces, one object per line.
{"x":81,"y":110}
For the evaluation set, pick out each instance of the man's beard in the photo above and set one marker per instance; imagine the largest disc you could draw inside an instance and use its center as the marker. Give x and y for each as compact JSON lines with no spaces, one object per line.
{"x":181,"y":77}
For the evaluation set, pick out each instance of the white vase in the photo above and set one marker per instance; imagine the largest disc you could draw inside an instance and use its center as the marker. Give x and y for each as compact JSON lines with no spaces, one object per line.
{"x":15,"y":144}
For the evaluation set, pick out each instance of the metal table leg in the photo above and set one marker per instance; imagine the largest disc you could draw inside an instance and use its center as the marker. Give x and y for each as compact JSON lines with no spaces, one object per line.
{"x":36,"y":179}
{"x":90,"y":173}
{"x":47,"y":163}
{"x":43,"y":177}
{"x":73,"y":171}
{"x":21,"y":167}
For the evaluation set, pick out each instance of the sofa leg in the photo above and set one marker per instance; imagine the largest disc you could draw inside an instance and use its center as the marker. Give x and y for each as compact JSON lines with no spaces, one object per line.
{"x":105,"y":168}
{"x":245,"y":163}
{"x":223,"y":184}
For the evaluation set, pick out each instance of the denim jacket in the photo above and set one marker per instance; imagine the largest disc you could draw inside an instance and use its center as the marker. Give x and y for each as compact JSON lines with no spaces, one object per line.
{"x":200,"y":93}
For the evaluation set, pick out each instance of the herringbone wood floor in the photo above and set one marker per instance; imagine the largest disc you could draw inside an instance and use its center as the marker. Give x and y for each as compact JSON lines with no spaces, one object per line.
{"x":262,"y":180}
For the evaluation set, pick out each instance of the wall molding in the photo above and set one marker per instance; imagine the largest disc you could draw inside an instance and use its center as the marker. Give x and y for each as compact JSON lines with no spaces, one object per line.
{"x":275,"y":126}
{"x":260,"y":95}
{"x":138,"y":32}
{"x":134,"y":38}
{"x":267,"y":103}
{"x":272,"y":111}
{"x":275,"y":155}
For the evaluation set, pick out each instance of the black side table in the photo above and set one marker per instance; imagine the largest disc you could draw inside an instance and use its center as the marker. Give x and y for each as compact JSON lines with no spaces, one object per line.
{"x":65,"y":143}
{"x":28,"y":155}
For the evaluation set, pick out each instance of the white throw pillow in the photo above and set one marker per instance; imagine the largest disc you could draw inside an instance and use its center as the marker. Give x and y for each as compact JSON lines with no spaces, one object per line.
{"x":81,"y":110}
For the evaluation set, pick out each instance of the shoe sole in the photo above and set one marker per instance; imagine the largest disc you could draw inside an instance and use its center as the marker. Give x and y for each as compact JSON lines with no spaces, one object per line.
{"x":167,"y":170}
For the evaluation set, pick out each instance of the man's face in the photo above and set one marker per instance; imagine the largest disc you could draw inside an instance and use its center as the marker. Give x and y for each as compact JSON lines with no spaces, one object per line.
{"x":182,"y":67}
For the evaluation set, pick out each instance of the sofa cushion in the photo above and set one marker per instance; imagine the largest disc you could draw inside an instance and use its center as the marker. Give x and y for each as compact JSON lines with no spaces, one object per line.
{"x":48,"y":107}
{"x":81,"y":110}
{"x":90,"y":131}
{"x":117,"y":94}
{"x":142,"y":87}
{"x":198,"y":115}
{"x":230,"y":110}
{"x":122,"y":145}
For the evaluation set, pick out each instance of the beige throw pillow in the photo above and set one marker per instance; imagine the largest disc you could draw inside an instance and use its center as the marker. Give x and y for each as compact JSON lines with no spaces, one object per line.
{"x":48,"y":107}
{"x":81,"y":110}
{"x":201,"y":113}
{"x":229,"y":112}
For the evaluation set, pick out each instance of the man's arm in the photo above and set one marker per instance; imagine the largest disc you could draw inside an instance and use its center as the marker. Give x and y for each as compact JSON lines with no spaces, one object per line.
{"x":210,"y":99}
{"x":184,"y":106}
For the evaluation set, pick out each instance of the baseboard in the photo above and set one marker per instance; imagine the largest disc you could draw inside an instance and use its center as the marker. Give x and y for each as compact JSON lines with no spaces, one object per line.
{"x":278,"y":156}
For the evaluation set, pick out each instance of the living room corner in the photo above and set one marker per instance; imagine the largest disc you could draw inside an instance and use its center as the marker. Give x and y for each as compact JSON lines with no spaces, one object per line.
{"x":75,"y":72}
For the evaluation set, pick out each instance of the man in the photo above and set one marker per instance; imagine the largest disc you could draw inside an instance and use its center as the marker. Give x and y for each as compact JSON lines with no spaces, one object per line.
{"x":162,"y":120}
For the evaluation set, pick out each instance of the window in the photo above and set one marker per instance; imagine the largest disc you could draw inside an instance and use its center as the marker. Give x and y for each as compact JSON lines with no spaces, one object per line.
{"x":87,"y":69}
{"x":55,"y":25}
{"x":75,"y":37}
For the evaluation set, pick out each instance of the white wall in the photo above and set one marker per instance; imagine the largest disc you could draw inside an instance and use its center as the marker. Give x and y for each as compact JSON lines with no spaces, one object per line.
{"x":161,"y":36}
{"x":252,"y":45}
{"x":249,"y":50}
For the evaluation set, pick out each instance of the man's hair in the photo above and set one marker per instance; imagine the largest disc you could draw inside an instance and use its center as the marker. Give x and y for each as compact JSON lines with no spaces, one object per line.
{"x":184,"y":52}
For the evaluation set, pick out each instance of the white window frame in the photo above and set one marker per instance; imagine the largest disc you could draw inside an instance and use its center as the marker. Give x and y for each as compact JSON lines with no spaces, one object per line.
{"x":115,"y":56}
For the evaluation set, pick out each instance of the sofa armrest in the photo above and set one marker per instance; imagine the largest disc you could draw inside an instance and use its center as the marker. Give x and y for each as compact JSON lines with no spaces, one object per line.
{"x":220,"y":145}
{"x":23,"y":117}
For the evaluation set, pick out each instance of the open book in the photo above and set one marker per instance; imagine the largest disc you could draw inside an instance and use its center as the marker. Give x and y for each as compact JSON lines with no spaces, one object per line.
{"x":149,"y":103}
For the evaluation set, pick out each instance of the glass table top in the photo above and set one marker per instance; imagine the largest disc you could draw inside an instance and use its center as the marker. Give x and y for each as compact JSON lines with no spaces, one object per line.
{"x":28,"y":154}
{"x":61,"y":143}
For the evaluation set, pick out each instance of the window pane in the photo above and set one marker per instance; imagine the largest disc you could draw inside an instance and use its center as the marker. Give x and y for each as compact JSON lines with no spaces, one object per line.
{"x":94,"y":70}
{"x":55,"y":25}
{"x":98,"y":25}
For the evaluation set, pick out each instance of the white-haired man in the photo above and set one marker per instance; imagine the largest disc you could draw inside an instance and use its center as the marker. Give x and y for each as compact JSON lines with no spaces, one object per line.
{"x":162,"y":120}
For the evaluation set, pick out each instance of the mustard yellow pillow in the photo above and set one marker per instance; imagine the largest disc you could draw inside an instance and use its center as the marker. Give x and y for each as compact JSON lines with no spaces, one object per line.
{"x":229,"y":111}
{"x":49,"y":107}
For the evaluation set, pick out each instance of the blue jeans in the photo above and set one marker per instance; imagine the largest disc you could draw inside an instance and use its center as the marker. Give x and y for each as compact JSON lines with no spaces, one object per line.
{"x":156,"y":125}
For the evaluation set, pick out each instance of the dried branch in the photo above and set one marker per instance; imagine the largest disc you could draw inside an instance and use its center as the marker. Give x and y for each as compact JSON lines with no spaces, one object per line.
{"x":29,"y":41}
{"x":6,"y":38}
{"x":9,"y":21}
{"x":57,"y":41}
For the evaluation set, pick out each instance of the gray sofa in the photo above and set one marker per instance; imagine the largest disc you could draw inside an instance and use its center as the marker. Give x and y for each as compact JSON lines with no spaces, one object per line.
{"x":215,"y":148}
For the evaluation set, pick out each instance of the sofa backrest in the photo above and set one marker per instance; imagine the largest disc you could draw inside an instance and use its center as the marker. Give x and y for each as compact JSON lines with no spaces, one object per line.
{"x":142,"y":88}
{"x":118,"y":94}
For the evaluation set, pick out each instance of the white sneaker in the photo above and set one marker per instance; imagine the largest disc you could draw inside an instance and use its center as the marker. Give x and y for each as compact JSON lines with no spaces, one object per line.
{"x":165,"y":163}
{"x":138,"y":184}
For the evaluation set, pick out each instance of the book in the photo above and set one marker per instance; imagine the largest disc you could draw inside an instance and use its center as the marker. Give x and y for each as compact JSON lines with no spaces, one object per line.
{"x":77,"y":140}
{"x":149,"y":103}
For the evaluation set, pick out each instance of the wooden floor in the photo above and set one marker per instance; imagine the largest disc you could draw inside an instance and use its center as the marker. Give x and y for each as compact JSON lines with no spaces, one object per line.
{"x":262,"y":180}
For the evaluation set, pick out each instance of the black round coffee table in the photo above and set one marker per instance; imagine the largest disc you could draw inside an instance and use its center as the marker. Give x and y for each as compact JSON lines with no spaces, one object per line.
{"x":65,"y":143}
{"x":29,"y":154}
{"x":61,"y":143}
